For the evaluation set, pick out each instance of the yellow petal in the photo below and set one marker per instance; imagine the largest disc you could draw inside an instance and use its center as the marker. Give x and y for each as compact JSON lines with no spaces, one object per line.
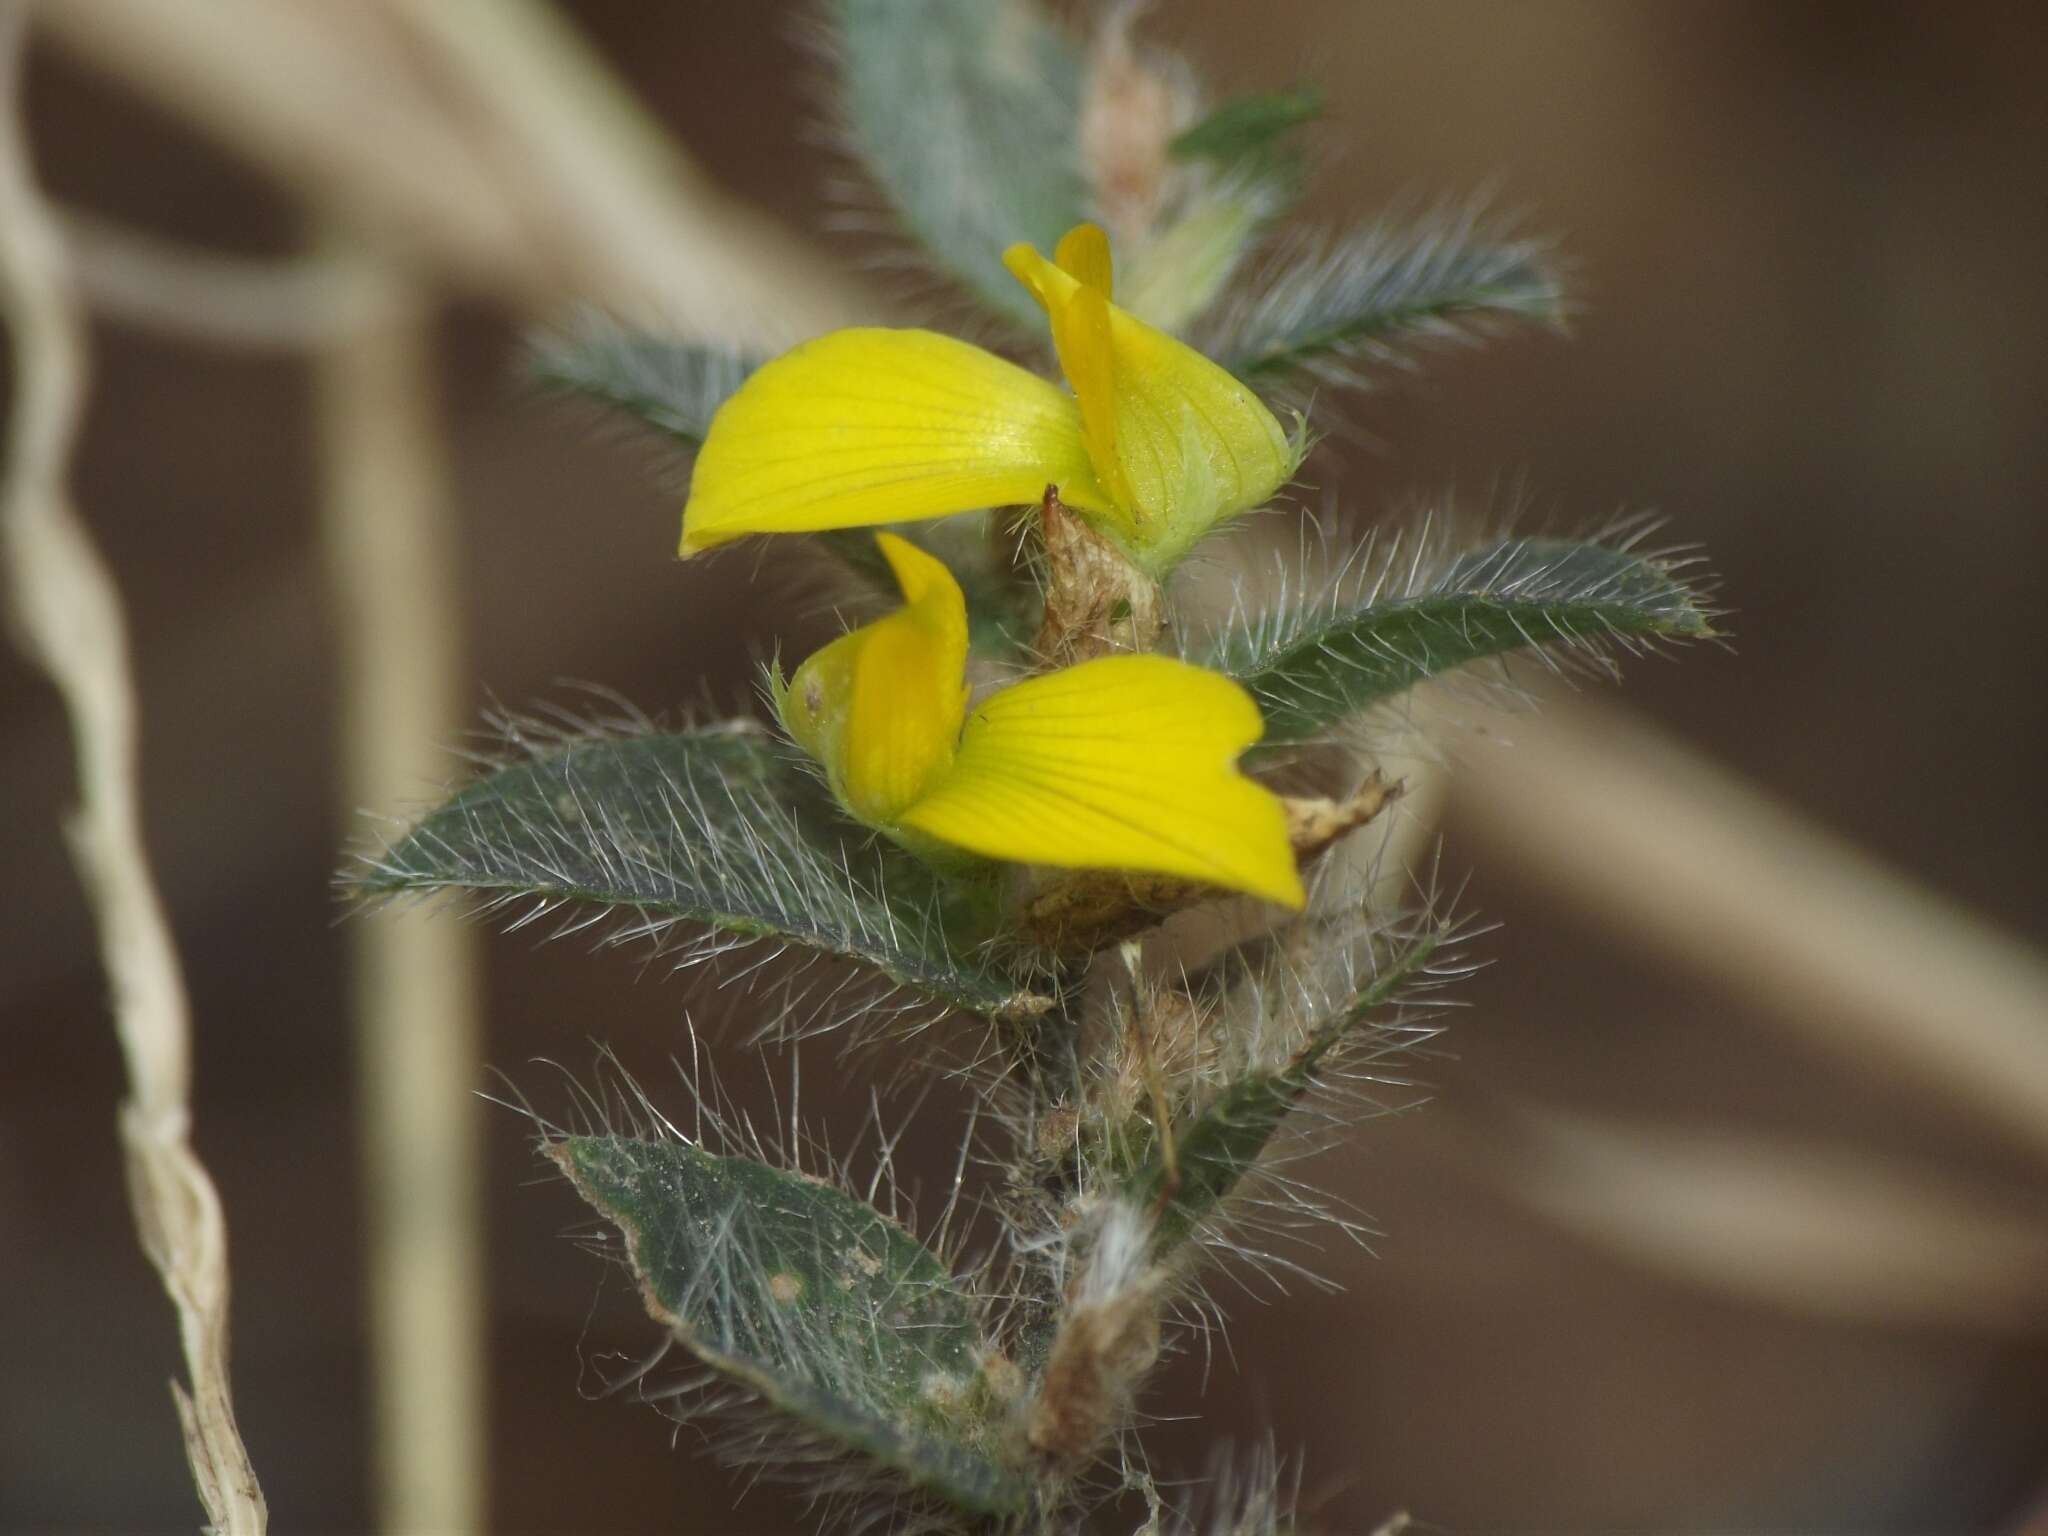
{"x":1083,"y":254}
{"x":880,"y":707}
{"x":1080,"y":335}
{"x":1125,"y":762}
{"x":1177,"y":442}
{"x":870,"y":426}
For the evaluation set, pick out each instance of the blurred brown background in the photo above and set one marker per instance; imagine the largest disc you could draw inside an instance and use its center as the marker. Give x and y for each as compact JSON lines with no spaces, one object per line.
{"x":1809,"y":241}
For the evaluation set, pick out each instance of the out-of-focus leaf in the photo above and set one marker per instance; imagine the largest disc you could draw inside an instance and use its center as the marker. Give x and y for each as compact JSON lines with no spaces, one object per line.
{"x":668,"y":385}
{"x":1331,"y":312}
{"x":1245,"y":170}
{"x":965,"y":112}
{"x":1248,"y":127}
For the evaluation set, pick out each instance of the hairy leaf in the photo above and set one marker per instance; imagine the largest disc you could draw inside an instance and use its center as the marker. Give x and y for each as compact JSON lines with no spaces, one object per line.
{"x":1334,"y":308}
{"x":1248,"y":127}
{"x":717,"y":827}
{"x":1241,"y":170}
{"x":965,"y":113}
{"x":1176,"y":275}
{"x":813,"y":1301}
{"x":1312,"y":665}
{"x":668,"y":385}
{"x":1221,"y":1143}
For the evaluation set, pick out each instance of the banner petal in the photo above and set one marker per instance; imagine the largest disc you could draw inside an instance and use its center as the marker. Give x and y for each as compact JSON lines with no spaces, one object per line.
{"x":871,"y":425}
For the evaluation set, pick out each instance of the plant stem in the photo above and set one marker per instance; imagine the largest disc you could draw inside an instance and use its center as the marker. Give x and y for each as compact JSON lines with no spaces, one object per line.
{"x":392,"y":558}
{"x":68,"y":617}
{"x":1688,"y":859}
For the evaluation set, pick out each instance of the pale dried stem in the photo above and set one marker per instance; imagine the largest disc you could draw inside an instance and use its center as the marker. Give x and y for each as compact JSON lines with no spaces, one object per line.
{"x":68,"y":617}
{"x":1821,"y":1229}
{"x":224,"y":301}
{"x":393,"y":557}
{"x":1688,"y":859}
{"x":502,"y":158}
{"x":643,"y":230}
{"x":500,"y":153}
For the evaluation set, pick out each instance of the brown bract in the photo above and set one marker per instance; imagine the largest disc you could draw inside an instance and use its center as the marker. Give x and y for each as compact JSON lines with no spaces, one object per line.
{"x":1096,"y":601}
{"x":1101,"y":1352}
{"x":1129,"y":115}
{"x":1315,"y":823}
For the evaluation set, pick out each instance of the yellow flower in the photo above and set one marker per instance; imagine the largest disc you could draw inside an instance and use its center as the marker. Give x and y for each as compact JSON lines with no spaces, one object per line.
{"x":1155,"y":445}
{"x":1125,"y":762}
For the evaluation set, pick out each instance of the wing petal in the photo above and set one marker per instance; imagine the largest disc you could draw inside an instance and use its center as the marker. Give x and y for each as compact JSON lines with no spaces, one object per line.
{"x":881,"y":706}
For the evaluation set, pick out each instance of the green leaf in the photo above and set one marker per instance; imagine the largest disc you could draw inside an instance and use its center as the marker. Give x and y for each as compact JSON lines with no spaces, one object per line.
{"x":965,"y":113}
{"x":1314,"y":664}
{"x":1334,"y":309}
{"x":1216,"y":1147}
{"x":1248,"y":127}
{"x":719,"y":827}
{"x":812,"y":1300}
{"x":1243,"y":173}
{"x":668,"y":385}
{"x":1176,"y":275}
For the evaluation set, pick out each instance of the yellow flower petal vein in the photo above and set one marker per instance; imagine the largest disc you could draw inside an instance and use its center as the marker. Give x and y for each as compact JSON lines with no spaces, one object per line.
{"x":1125,"y":762}
{"x":872,"y":425}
